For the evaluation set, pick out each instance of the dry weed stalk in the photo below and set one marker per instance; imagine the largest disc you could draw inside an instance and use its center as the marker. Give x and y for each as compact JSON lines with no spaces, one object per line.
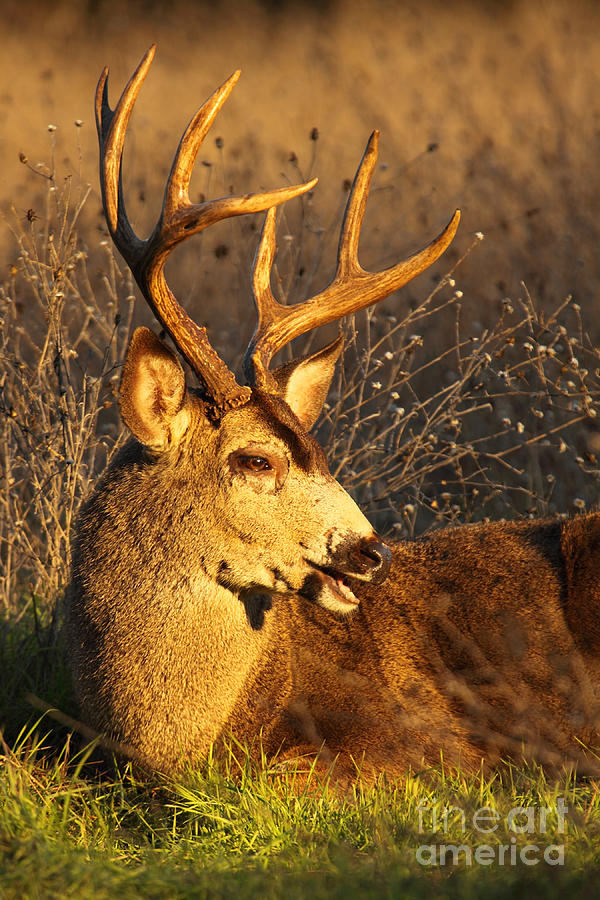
{"x":461,"y":423}
{"x":434,"y":419}
{"x":62,"y":341}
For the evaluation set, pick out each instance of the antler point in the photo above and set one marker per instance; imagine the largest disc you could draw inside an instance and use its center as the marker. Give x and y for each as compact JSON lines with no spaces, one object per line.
{"x":374,"y":139}
{"x":233,"y":79}
{"x":454,"y":221}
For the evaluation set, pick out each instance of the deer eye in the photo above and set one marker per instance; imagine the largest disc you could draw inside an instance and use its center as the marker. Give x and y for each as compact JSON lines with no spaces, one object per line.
{"x":255,"y":463}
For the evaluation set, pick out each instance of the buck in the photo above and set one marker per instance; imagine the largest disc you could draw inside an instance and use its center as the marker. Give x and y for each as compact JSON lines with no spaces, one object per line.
{"x":223,"y":583}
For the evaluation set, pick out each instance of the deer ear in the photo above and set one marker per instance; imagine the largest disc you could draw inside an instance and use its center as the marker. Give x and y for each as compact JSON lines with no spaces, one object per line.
{"x":304,"y":383}
{"x":152,"y":396}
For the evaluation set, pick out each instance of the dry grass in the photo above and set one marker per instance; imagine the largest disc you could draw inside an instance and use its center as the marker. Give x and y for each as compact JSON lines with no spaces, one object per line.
{"x":506,"y":93}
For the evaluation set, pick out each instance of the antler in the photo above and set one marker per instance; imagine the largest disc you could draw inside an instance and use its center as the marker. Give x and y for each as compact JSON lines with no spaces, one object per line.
{"x":351,"y":289}
{"x":179,"y":219}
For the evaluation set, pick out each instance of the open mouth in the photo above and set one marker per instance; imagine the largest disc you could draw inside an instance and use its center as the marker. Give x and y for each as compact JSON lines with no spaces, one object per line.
{"x":337,"y":583}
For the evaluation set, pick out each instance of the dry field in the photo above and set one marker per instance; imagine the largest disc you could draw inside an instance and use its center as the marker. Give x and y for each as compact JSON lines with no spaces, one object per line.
{"x":505,"y":92}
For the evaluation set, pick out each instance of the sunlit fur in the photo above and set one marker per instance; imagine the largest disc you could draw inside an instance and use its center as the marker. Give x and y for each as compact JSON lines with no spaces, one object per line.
{"x":197,"y":607}
{"x":179,"y":550}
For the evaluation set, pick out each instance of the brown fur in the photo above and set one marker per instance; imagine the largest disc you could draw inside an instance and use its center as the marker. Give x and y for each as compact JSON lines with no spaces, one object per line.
{"x":185,"y":622}
{"x":477,"y":646}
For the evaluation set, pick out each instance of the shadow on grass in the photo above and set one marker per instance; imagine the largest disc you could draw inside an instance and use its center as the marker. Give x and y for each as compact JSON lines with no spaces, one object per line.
{"x":33,"y":661}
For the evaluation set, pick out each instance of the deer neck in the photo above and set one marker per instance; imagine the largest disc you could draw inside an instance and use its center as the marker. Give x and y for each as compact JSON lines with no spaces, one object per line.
{"x":227,"y":638}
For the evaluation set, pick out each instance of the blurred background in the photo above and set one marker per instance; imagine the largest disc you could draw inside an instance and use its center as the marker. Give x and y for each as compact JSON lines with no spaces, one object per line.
{"x":489,"y":106}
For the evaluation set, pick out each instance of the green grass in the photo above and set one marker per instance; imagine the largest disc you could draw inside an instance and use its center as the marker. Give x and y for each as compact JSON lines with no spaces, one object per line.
{"x":234,"y":830}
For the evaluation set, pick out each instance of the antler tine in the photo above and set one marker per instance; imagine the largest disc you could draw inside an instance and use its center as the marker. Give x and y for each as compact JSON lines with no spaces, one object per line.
{"x":351,"y":289}
{"x":179,"y":219}
{"x":347,"y":257}
{"x":177,"y":189}
{"x":112,"y":126}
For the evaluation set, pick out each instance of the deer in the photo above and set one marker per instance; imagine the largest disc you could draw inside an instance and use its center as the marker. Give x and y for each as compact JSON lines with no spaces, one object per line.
{"x":223,"y":583}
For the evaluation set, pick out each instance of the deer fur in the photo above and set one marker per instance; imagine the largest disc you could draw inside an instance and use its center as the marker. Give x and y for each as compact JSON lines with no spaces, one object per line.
{"x":194,"y":615}
{"x":223,"y":583}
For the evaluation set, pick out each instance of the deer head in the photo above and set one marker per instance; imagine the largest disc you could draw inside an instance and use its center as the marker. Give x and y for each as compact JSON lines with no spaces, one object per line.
{"x":259,"y":509}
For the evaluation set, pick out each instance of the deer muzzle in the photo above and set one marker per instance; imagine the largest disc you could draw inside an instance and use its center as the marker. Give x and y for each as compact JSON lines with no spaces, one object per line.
{"x":368,"y":560}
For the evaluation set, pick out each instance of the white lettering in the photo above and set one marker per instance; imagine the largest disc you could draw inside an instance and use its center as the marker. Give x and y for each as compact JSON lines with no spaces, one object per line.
{"x":561,"y":810}
{"x":483,"y":815}
{"x":559,"y":859}
{"x":528,"y":812}
{"x":501,"y":851}
{"x":430,"y":859}
{"x":543,"y":814}
{"x":455,"y":851}
{"x":484,"y":855}
{"x":463,"y":818}
{"x":525,"y":858}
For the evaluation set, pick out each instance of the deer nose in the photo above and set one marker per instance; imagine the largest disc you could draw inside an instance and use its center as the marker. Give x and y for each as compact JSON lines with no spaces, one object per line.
{"x":373,"y":558}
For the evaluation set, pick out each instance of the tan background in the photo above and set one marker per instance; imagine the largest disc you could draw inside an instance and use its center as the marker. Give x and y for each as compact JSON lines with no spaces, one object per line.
{"x":508,"y":92}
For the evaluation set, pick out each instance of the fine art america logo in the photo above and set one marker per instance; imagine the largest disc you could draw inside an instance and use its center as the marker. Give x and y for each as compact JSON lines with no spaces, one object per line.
{"x":506,"y":848}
